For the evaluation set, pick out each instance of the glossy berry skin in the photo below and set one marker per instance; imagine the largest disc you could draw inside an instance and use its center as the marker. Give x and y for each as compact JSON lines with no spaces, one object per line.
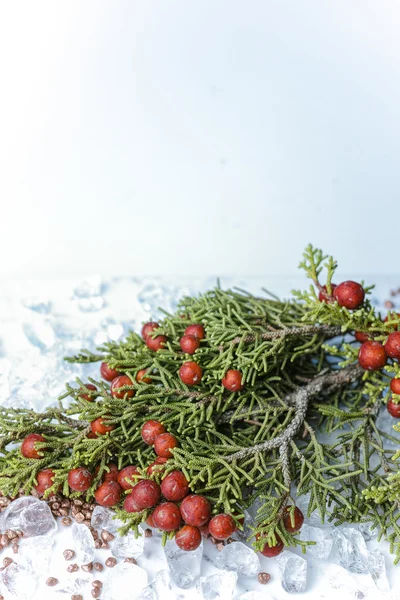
{"x":44,"y":480}
{"x":146,"y":494}
{"x":92,"y":387}
{"x":221,"y":527}
{"x":188,"y":538}
{"x":108,"y":494}
{"x":107,"y":372}
{"x":361,"y":337}
{"x":80,"y":479}
{"x":164,"y":443}
{"x":119,"y":382}
{"x":99,"y":426}
{"x":150,"y":430}
{"x":190,"y":373}
{"x":195,"y":510}
{"x":28,"y":449}
{"x":196,"y":330}
{"x":395,"y":386}
{"x":148,"y":328}
{"x":112,"y":474}
{"x":175,"y":486}
{"x":156,"y":466}
{"x":233,"y":381}
{"x":323,"y":295}
{"x":372,"y":356}
{"x":272,"y":551}
{"x":150,"y":521}
{"x":393,"y":409}
{"x":349,"y":294}
{"x":126,"y":477}
{"x":298,"y":520}
{"x":130,"y":505}
{"x":141,"y":376}
{"x":167,"y":516}
{"x":392,"y":345}
{"x":157,"y":343}
{"x":189,"y":344}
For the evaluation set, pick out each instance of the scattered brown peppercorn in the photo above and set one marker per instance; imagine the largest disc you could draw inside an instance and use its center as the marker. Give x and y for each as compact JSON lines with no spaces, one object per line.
{"x":95,"y":592}
{"x":73,"y":568}
{"x":97,"y":544}
{"x":106,"y":536}
{"x":87,"y":568}
{"x":51,"y":581}
{"x":148,"y":533}
{"x":7,"y":561}
{"x":79,"y":517}
{"x":131,"y":560}
{"x":68,"y":554}
{"x":66,"y":521}
{"x":98,"y":566}
{"x":97,"y":583}
{"x":263,"y":578}
{"x":111,"y":562}
{"x":76,"y":597}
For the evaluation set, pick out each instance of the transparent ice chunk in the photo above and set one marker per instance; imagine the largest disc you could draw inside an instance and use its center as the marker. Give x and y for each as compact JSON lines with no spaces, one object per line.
{"x":293,"y":572}
{"x":184,"y":567}
{"x":28,"y":514}
{"x":84,"y":543}
{"x":219,"y":586}
{"x":125,"y":581}
{"x":240,"y":558}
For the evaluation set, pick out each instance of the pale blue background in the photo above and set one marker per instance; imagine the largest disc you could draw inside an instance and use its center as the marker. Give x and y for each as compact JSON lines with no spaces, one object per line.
{"x":198,"y":136}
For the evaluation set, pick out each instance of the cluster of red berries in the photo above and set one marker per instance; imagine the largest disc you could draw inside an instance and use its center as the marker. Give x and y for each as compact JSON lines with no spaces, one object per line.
{"x":292,"y":522}
{"x":348,"y":294}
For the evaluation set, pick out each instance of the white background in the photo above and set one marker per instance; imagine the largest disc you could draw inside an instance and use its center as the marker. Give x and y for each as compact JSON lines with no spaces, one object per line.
{"x":198,"y":136}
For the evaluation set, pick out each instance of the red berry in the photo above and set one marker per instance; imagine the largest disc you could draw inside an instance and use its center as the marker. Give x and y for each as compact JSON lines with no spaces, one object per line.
{"x":28,"y":446}
{"x":190,"y":373}
{"x":392,"y":346}
{"x":150,"y":521}
{"x":164,"y":443}
{"x":150,"y":430}
{"x":98,"y":426}
{"x":189,"y":344}
{"x":395,"y":386}
{"x":295,"y":524}
{"x":361,"y":337}
{"x":148,"y":328}
{"x":108,"y":493}
{"x":127,"y":476}
{"x":141,"y":376}
{"x":195,"y":510}
{"x":44,"y":480}
{"x":372,"y":356}
{"x":92,"y":387}
{"x":146,"y":494}
{"x":156,"y":343}
{"x":272,"y":551}
{"x":112,"y":474}
{"x":175,"y":486}
{"x":221,"y":527}
{"x":130,"y":504}
{"x":80,"y":479}
{"x":349,"y":294}
{"x":323,"y":295}
{"x":107,"y":372}
{"x":391,"y":317}
{"x":233,"y":381}
{"x":167,"y":516}
{"x":156,"y":466}
{"x":188,"y":538}
{"x":119,"y":382}
{"x":196,"y":330}
{"x":393,"y":409}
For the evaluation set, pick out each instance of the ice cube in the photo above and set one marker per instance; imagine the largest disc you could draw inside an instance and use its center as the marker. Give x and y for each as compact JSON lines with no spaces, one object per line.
{"x":377,"y":569}
{"x":125,"y":581}
{"x":102,"y":518}
{"x":28,"y":514}
{"x":240,"y":558}
{"x":349,"y":550}
{"x":84,"y":543}
{"x":126,"y":546}
{"x":293,"y":572}
{"x":79,"y":585}
{"x":159,"y":589}
{"x":219,"y":586}
{"x":35,"y":553}
{"x":323,"y":538}
{"x":16,"y":582}
{"x":184,"y":567}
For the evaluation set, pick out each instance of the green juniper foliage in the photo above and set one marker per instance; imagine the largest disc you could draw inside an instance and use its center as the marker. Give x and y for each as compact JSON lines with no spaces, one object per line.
{"x":302,"y":385}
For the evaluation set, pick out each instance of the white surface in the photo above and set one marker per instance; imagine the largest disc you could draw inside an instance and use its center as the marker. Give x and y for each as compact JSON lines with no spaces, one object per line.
{"x":209,"y":136}
{"x":129,"y":302}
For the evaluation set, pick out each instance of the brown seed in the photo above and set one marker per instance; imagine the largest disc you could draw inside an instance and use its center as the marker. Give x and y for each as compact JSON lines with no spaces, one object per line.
{"x":76,"y":597}
{"x":264,"y":578}
{"x":106,"y":536}
{"x":65,"y":503}
{"x":79,"y":517}
{"x":56,"y":513}
{"x":148,"y":533}
{"x":86,"y":522}
{"x":4,"y":540}
{"x":68,"y":554}
{"x":98,"y":566}
{"x":111,"y":562}
{"x":131,"y":560}
{"x":97,"y":544}
{"x":77,"y":502}
{"x":66,"y":521}
{"x":87,"y":506}
{"x":12,"y":535}
{"x":88,"y":515}
{"x":105,"y":545}
{"x":56,"y":506}
{"x":63,"y":512}
{"x":51,"y":581}
{"x":97,"y":583}
{"x":95,"y":592}
{"x":7,"y":561}
{"x":389,"y":304}
{"x":88,"y":568}
{"x":20,"y":534}
{"x":73,"y":568}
